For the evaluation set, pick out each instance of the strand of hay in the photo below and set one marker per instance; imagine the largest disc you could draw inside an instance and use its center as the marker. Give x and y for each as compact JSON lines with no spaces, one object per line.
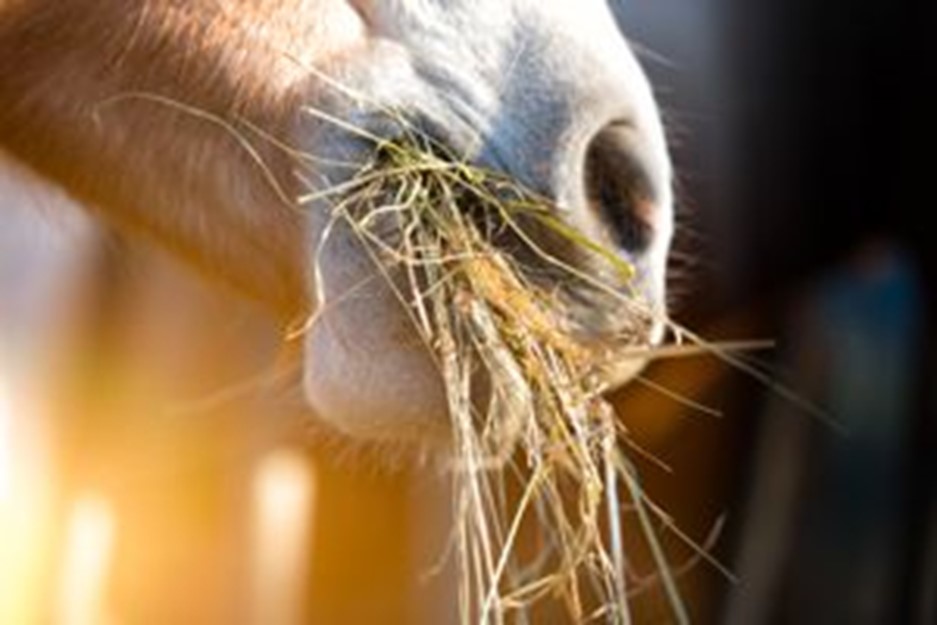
{"x":537,"y":452}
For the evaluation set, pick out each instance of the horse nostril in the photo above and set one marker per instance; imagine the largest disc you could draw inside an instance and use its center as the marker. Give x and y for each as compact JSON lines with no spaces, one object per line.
{"x":618,"y":188}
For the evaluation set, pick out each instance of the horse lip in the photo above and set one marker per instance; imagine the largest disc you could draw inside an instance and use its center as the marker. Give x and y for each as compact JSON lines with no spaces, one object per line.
{"x":625,"y":362}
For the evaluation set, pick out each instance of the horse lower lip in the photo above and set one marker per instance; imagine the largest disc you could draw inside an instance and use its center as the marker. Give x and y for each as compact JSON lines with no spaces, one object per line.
{"x":626,"y":360}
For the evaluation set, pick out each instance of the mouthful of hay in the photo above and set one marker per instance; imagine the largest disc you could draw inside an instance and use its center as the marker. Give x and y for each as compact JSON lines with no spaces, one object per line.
{"x":538,"y":458}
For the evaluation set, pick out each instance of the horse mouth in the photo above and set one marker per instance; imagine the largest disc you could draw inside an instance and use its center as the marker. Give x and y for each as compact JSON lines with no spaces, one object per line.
{"x":477,"y":273}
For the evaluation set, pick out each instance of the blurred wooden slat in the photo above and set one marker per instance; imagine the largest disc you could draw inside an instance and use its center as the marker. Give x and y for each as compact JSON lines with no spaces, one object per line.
{"x":86,"y":562}
{"x":362,"y":563}
{"x":284,"y":504}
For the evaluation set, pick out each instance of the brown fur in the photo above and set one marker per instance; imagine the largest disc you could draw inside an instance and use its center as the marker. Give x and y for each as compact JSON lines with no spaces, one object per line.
{"x":66,"y":71}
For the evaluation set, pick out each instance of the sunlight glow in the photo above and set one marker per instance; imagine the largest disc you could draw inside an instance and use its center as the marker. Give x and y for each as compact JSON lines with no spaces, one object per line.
{"x":283,"y":490}
{"x":6,"y":443}
{"x":89,"y":544}
{"x":25,"y":510}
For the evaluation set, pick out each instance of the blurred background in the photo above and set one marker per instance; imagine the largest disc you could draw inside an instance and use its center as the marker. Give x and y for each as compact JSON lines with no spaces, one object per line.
{"x":156,"y":468}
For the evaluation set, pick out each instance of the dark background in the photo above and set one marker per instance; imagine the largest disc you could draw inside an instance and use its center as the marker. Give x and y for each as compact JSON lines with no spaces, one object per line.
{"x":799,"y":133}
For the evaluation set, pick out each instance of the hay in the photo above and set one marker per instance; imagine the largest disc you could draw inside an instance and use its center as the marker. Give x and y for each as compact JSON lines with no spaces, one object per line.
{"x":538,"y":457}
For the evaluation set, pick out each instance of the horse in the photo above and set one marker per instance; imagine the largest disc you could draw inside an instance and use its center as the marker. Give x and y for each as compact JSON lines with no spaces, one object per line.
{"x":138,"y":110}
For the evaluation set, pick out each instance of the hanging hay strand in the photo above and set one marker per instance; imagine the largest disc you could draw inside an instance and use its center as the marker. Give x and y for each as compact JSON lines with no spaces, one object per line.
{"x":537,"y":454}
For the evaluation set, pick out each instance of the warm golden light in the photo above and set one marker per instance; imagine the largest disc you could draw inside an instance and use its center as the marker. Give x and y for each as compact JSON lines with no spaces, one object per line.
{"x":283,"y":490}
{"x":24,"y":510}
{"x":6,"y":444}
{"x":89,"y":543}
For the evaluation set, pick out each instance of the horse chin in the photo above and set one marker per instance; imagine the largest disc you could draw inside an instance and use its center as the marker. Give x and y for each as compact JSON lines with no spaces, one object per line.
{"x":374,"y":386}
{"x":371,"y":390}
